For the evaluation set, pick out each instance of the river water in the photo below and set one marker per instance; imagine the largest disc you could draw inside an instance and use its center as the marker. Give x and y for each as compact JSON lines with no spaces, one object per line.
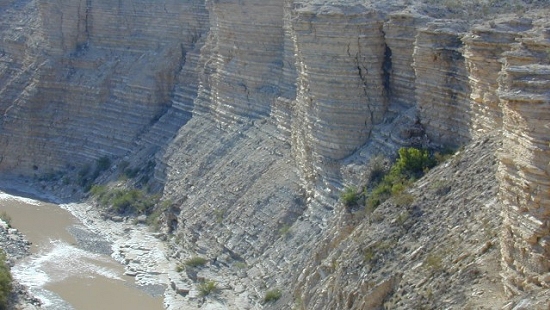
{"x":71,"y":267}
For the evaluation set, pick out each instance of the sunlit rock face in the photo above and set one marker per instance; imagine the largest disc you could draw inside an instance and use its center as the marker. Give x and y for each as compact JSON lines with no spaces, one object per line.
{"x":245,"y":59}
{"x":525,"y":164}
{"x":259,"y":112}
{"x":341,"y":91}
{"x":442,"y":88}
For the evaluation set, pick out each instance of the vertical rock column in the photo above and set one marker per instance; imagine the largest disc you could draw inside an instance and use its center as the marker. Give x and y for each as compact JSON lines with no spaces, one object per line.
{"x":524,"y":170}
{"x":399,"y":76}
{"x":247,"y":48}
{"x":339,"y":59}
{"x":281,"y":110}
{"x":442,"y":89}
{"x":482,"y":49}
{"x":64,"y":24}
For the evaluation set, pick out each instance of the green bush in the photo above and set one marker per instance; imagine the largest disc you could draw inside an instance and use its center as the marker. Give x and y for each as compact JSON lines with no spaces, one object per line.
{"x":5,"y":282}
{"x":412,"y":162}
{"x":434,"y":262}
{"x":196,"y":261}
{"x":124,"y":201}
{"x":272,"y":295}
{"x":349,"y":196}
{"x":208,"y":287}
{"x":411,"y":165}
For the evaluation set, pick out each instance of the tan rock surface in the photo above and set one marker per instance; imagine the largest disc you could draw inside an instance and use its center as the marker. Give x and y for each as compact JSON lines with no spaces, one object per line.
{"x":256,"y":114}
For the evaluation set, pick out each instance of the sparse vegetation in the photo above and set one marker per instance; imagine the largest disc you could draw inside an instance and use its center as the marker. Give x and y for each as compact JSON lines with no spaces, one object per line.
{"x":444,"y":155}
{"x":403,"y":199}
{"x":103,"y":163}
{"x":350,"y":196}
{"x":5,"y":281}
{"x":82,"y":177}
{"x":86,"y":176}
{"x":402,"y":218}
{"x":284,"y":230}
{"x":207,"y":287}
{"x":411,"y":165}
{"x":441,"y":187}
{"x":131,"y":173}
{"x":193,"y":262}
{"x":372,"y":253}
{"x":368,"y":254}
{"x":272,"y":295}
{"x":434,"y":262}
{"x":220,"y":214}
{"x":153,"y":218}
{"x":124,"y":201}
{"x":196,"y":261}
{"x":378,"y":169}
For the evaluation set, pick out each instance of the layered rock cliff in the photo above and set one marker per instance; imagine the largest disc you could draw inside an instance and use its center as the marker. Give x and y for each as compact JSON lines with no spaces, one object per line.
{"x":257,"y":113}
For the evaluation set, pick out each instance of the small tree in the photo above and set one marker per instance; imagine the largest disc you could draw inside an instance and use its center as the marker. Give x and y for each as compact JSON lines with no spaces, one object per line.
{"x":412,"y":162}
{"x":349,"y":196}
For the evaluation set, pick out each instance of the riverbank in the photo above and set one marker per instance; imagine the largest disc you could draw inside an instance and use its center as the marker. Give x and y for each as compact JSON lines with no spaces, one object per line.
{"x":131,"y":244}
{"x":16,"y":247}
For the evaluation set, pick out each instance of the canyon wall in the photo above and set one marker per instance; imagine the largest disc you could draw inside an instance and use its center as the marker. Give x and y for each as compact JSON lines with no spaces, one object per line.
{"x":257,"y":113}
{"x":525,"y":163}
{"x":82,"y":79}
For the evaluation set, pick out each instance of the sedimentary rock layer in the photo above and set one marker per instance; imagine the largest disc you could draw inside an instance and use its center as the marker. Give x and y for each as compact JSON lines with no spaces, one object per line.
{"x":400,"y":32}
{"x":484,"y":46}
{"x":442,"y":89}
{"x":525,"y":165}
{"x":98,"y":80}
{"x":234,"y":97}
{"x":341,"y":95}
{"x":246,"y":43}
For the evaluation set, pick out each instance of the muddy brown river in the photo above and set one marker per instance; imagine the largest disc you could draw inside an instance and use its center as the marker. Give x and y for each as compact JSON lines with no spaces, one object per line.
{"x":61,"y":272}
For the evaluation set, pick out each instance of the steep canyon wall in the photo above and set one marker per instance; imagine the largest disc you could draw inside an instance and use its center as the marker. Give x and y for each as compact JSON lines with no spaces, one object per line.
{"x":253,"y":111}
{"x":83,"y":79}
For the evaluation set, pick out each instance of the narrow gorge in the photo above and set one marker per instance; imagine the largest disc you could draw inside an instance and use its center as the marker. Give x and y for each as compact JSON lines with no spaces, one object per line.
{"x":247,"y":119}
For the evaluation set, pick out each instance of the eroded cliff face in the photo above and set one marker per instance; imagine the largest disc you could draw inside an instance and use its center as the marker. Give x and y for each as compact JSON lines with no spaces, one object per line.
{"x":257,"y":113}
{"x":84,"y":79}
{"x":525,"y":163}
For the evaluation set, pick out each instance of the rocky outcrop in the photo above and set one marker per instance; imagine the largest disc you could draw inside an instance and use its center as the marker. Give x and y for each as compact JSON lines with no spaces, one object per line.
{"x":484,"y":46}
{"x":245,"y":59}
{"x":93,"y":79}
{"x":14,"y":247}
{"x":340,"y":58}
{"x":395,"y":257}
{"x":257,"y":113}
{"x":400,"y":32}
{"x":442,"y":88}
{"x":524,"y":164}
